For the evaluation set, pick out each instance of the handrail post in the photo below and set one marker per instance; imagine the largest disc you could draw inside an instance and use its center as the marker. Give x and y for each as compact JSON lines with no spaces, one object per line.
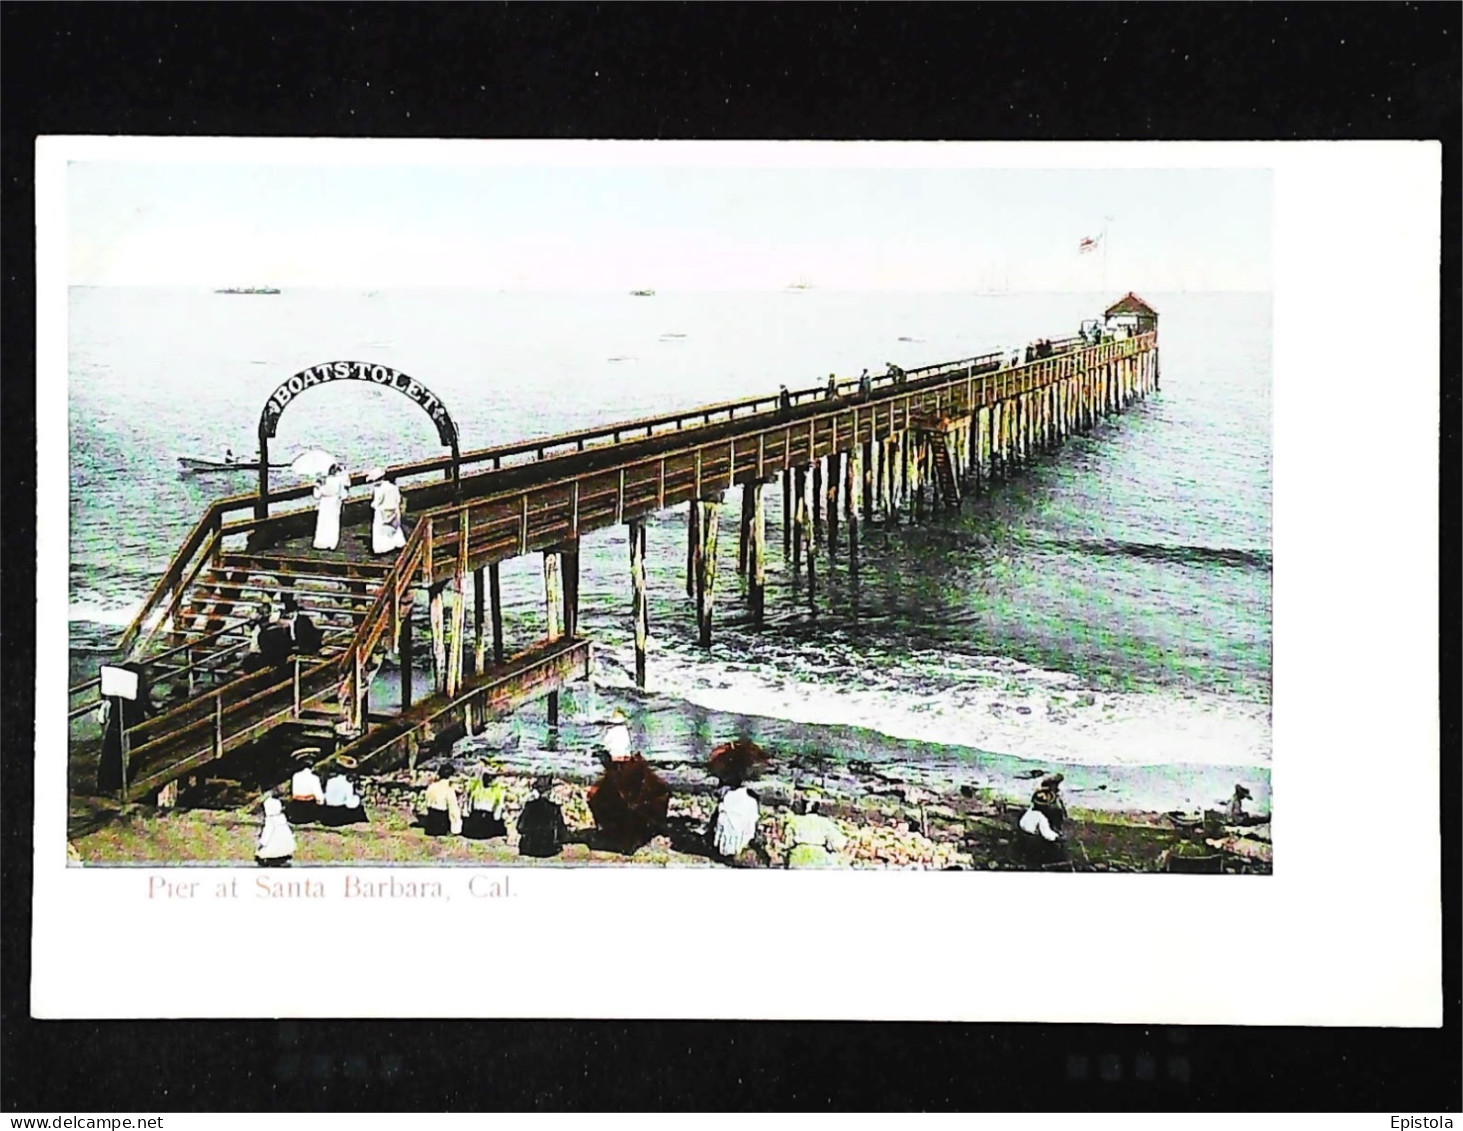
{"x":297,"y":685}
{"x":218,"y":724}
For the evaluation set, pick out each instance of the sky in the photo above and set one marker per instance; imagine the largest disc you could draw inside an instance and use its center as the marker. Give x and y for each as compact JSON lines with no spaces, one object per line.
{"x":669,"y":227}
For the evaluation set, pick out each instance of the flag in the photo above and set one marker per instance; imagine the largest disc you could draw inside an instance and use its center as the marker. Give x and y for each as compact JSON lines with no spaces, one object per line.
{"x":1088,"y":244}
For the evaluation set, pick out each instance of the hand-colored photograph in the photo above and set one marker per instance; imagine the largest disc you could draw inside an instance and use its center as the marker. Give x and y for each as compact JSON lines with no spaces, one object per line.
{"x":609,"y":514}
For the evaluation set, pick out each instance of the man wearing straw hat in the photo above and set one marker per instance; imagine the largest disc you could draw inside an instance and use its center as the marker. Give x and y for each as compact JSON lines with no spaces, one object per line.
{"x":386,"y":532}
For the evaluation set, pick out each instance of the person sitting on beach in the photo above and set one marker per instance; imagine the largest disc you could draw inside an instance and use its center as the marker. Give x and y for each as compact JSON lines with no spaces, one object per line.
{"x":616,"y":738}
{"x":629,"y":803}
{"x":443,"y":815}
{"x":275,"y":847}
{"x":735,"y":826}
{"x":812,"y":838}
{"x":1237,"y":814}
{"x":485,"y":801}
{"x":342,"y":802}
{"x":1047,"y":800}
{"x":541,"y":830}
{"x":306,"y":795}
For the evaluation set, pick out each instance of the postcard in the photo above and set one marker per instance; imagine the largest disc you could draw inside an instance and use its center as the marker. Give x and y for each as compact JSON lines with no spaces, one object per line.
{"x":950,"y":581}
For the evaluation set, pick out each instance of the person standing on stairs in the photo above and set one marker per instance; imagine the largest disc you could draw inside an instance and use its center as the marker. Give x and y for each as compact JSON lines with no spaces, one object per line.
{"x":331,"y":491}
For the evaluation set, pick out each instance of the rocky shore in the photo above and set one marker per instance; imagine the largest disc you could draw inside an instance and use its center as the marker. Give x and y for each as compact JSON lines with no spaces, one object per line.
{"x":888,"y":823}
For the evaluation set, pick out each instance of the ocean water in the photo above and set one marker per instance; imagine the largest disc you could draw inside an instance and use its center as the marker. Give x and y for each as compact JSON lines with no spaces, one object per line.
{"x":1106,"y":612}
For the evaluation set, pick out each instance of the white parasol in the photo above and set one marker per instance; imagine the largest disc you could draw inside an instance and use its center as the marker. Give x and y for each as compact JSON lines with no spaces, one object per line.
{"x":316,"y":461}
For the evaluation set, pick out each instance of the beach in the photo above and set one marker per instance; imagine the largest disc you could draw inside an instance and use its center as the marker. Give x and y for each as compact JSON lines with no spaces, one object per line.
{"x":887,"y":822}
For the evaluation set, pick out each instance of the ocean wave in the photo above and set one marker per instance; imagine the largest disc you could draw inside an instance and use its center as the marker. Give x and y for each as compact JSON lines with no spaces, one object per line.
{"x":118,"y":615}
{"x":992,"y":704}
{"x":1184,"y":555}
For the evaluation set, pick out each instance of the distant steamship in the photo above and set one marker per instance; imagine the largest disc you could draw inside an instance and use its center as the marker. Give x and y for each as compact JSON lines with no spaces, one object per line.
{"x":247,"y":291}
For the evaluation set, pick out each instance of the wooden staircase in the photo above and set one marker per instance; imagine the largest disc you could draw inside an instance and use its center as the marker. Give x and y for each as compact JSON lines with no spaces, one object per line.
{"x":949,"y":482}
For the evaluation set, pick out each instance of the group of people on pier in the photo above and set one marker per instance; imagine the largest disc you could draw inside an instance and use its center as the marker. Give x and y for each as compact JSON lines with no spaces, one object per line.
{"x":387,"y":506}
{"x":892,"y":373}
{"x":277,"y":634}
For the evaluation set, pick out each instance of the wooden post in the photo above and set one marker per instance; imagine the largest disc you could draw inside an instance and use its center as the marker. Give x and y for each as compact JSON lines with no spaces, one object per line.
{"x":639,"y":604}
{"x":479,"y":643}
{"x":459,"y":623}
{"x":744,"y":534}
{"x":799,"y":506}
{"x":496,"y":605}
{"x":554,"y":608}
{"x":787,"y":515}
{"x":835,"y":478}
{"x":439,"y":641}
{"x":569,"y":564}
{"x":868,"y":480}
{"x":808,"y":536}
{"x":706,"y":575}
{"x":757,"y":587}
{"x":817,"y":507}
{"x":404,"y":650}
{"x":693,"y":543}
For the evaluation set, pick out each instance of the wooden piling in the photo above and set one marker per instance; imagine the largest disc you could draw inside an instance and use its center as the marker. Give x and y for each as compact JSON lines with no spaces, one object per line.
{"x":789,"y":511}
{"x":835,"y":479}
{"x":706,"y":569}
{"x":868,"y":477}
{"x":745,"y":528}
{"x":816,"y":506}
{"x":639,"y":602}
{"x":479,"y":640}
{"x":554,"y":615}
{"x":799,"y":506}
{"x":495,"y":603}
{"x":439,"y":640}
{"x":757,"y":578}
{"x":569,"y":567}
{"x":693,"y":544}
{"x":405,"y":652}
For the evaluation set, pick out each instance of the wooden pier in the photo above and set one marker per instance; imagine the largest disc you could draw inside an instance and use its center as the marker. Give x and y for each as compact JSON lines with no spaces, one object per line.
{"x":915,"y":442}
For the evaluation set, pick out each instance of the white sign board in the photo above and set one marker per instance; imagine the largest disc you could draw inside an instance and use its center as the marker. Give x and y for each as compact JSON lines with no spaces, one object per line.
{"x":119,"y":682}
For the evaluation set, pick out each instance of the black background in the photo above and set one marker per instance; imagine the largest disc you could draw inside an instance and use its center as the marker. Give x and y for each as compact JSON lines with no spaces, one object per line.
{"x":849,"y":71}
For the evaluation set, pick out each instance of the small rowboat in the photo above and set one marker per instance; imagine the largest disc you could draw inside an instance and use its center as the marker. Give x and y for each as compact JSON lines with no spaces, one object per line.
{"x":189,"y":465}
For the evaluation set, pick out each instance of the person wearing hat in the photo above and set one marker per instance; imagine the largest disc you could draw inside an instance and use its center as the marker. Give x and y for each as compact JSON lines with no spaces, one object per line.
{"x":305,"y":635}
{"x":1237,"y":805}
{"x":342,"y":802}
{"x":386,"y":533}
{"x":616,"y":738}
{"x":443,"y":815}
{"x":485,"y":801}
{"x":307,"y":795}
{"x":541,"y":831}
{"x":1040,"y":827}
{"x":275,"y":847}
{"x":784,"y":402}
{"x":812,"y":838}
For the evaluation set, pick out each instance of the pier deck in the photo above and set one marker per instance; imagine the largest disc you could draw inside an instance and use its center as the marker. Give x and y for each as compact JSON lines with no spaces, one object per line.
{"x":860,"y":455}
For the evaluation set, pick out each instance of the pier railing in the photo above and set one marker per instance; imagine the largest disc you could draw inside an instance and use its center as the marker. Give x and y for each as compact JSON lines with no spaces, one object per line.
{"x":695,"y":452}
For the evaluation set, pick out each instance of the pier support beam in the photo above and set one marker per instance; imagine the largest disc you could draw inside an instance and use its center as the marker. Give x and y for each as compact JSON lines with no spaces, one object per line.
{"x":439,"y":639}
{"x":495,"y":601}
{"x":835,"y":479}
{"x":788,"y":515}
{"x":744,"y":533}
{"x":479,"y":601}
{"x":817,"y":508}
{"x":693,"y":542}
{"x":639,"y":603}
{"x":554,"y":610}
{"x":757,"y":566}
{"x":796,"y":514}
{"x":405,"y":652}
{"x":868,"y":480}
{"x":706,"y":569}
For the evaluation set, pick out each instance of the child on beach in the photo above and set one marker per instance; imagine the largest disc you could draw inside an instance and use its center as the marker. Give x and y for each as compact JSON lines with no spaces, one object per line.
{"x":276,"y":845}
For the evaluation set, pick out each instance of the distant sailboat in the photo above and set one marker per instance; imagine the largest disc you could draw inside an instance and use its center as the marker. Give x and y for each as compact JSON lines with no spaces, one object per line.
{"x":801,"y":285}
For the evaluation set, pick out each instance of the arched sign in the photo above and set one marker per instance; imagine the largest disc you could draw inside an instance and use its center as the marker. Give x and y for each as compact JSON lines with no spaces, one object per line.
{"x":329,"y":372}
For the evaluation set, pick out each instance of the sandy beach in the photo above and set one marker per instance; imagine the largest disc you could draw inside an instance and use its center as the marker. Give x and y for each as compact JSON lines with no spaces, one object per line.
{"x":887,"y":824}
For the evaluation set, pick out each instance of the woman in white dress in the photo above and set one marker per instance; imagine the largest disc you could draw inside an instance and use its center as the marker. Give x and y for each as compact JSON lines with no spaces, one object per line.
{"x":386,"y":532}
{"x":331,"y":492}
